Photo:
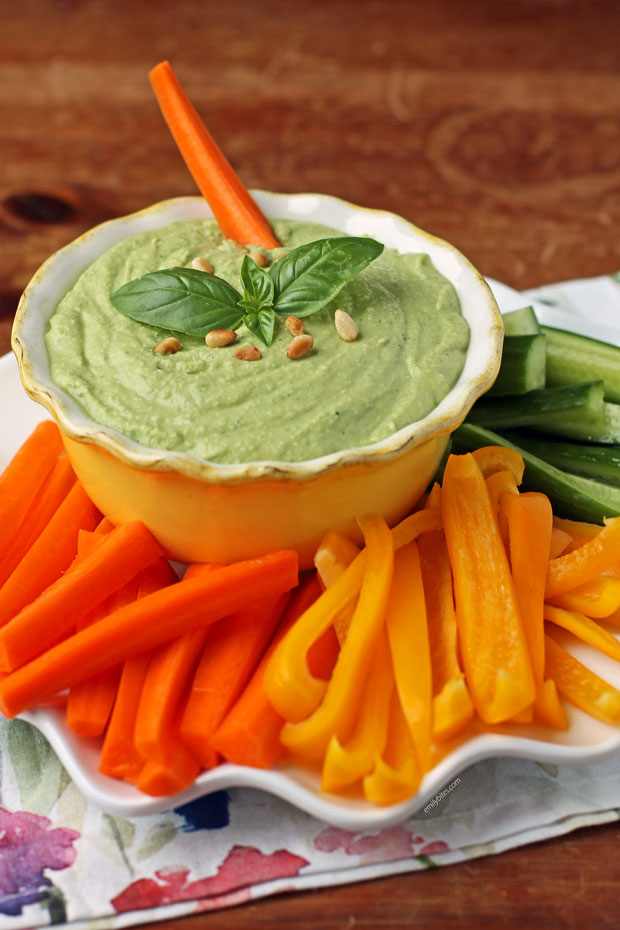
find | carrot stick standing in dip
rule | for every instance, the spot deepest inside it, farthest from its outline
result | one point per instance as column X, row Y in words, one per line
column 237, row 214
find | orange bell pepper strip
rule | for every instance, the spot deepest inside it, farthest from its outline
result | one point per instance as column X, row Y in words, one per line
column 500, row 483
column 292, row 689
column 346, row 764
column 585, row 563
column 337, row 713
column 599, row 598
column 581, row 533
column 585, row 629
column 407, row 629
column 559, row 542
column 397, row 774
column 578, row 531
column 529, row 521
column 579, row 685
column 335, row 553
column 491, row 459
column 452, row 706
column 491, row 635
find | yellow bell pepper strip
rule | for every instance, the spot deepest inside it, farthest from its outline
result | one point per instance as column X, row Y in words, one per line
column 491, row 459
column 337, row 713
column 407, row 629
column 579, row 685
column 494, row 650
column 452, row 706
column 559, row 542
column 397, row 775
column 290, row 686
column 335, row 553
column 598, row 598
column 422, row 521
column 346, row 764
column 585, row 563
column 585, row 629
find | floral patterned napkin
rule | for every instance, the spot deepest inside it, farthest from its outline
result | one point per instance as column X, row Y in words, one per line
column 62, row 860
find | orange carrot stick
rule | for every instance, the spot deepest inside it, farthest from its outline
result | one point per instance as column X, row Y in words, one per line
column 119, row 756
column 232, row 651
column 147, row 623
column 104, row 526
column 49, row 556
column 174, row 770
column 167, row 680
column 87, row 543
column 23, row 477
column 90, row 702
column 491, row 636
column 236, row 212
column 166, row 683
column 119, row 556
column 45, row 505
column 249, row 734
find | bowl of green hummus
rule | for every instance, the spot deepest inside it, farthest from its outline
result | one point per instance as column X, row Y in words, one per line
column 231, row 451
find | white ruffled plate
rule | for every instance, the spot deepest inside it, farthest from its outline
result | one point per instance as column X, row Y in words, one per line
column 586, row 740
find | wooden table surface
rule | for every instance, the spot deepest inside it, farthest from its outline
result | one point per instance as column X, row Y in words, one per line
column 495, row 125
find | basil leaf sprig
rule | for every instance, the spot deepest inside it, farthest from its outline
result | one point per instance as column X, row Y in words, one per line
column 185, row 300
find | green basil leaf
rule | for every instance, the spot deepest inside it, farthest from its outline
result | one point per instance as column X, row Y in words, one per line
column 257, row 286
column 261, row 324
column 183, row 300
column 311, row 275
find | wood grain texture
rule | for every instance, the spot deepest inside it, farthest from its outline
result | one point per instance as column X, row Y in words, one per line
column 493, row 124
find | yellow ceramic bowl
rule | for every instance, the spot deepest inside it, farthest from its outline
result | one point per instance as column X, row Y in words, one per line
column 201, row 511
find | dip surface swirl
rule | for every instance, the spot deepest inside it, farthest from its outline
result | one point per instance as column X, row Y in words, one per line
column 205, row 402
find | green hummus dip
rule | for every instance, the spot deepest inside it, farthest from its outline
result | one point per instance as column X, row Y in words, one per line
column 203, row 401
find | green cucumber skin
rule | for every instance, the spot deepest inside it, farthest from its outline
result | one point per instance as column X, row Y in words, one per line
column 523, row 366
column 581, row 427
column 571, row 358
column 521, row 322
column 540, row 407
column 571, row 496
column 599, row 462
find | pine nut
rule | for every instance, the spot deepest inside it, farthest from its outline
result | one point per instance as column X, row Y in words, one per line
column 300, row 346
column 220, row 337
column 294, row 325
column 237, row 246
column 260, row 258
column 168, row 346
column 202, row 264
column 345, row 326
column 248, row 354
